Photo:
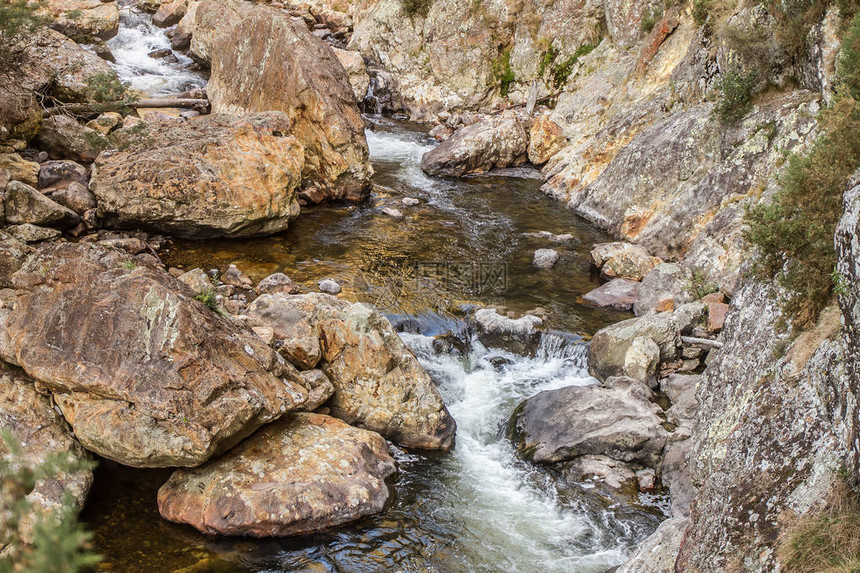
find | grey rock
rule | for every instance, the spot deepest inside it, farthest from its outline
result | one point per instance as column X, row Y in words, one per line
column 234, row 277
column 690, row 316
column 617, row 293
column 658, row 552
column 641, row 360
column 275, row 283
column 26, row 205
column 392, row 212
column 410, row 201
column 329, row 286
column 545, row 258
column 497, row 142
column 563, row 424
column 53, row 172
column 520, row 336
column 609, row 346
column 64, row 138
column 666, row 287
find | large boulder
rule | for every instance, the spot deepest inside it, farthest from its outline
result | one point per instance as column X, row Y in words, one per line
column 623, row 260
column 518, row 335
column 145, row 374
column 41, row 432
column 270, row 61
column 379, row 384
column 496, row 142
column 658, row 552
column 303, row 474
column 62, row 137
column 213, row 176
column 619, row 422
column 609, row 346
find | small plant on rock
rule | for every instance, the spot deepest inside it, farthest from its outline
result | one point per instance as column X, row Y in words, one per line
column 54, row 541
column 736, row 93
column 503, row 73
column 208, row 298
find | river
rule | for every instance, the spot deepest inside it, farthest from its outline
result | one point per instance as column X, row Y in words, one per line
column 467, row 243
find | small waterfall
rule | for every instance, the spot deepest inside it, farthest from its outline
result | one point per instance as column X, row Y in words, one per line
column 137, row 38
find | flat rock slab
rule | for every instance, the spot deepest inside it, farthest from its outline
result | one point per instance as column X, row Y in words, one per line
column 303, row 474
column 145, row 374
column 617, row 293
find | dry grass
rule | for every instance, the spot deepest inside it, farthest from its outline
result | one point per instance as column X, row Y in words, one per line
column 827, row 542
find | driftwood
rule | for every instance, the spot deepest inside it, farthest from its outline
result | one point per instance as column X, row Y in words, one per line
column 201, row 105
column 706, row 342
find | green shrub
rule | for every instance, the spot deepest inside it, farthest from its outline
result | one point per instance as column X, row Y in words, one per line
column 416, row 7
column 503, row 73
column 556, row 73
column 106, row 87
column 208, row 298
column 794, row 234
column 18, row 17
column 59, row 543
column 736, row 92
column 650, row 19
column 701, row 10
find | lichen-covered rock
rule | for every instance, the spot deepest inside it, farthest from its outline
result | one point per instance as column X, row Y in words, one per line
column 24, row 204
column 772, row 430
column 618, row 422
column 848, row 265
column 54, row 172
column 658, row 552
column 356, row 71
column 608, row 350
column 74, row 196
column 20, row 169
column 303, row 474
column 64, row 138
column 269, row 61
column 145, row 375
column 496, row 142
column 379, row 384
column 214, row 176
column 666, row 287
column 31, row 420
column 623, row 260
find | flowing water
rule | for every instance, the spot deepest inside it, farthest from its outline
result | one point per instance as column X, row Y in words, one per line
column 477, row 508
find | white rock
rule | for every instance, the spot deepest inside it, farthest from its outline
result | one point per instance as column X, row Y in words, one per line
column 329, row 286
column 545, row 258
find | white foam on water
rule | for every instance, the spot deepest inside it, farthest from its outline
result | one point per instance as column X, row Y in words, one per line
column 137, row 37
column 511, row 522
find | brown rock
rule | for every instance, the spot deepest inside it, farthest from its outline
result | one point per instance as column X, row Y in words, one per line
column 301, row 475
column 12, row 255
column 74, row 196
column 106, row 122
column 234, row 277
column 145, row 375
column 319, row 388
column 275, row 283
column 617, row 293
column 82, row 18
column 623, row 260
column 170, row 13
column 545, row 140
column 270, row 61
column 214, row 176
column 717, row 316
column 379, row 384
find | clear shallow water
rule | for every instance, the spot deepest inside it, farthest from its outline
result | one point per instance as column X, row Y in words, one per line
column 477, row 508
column 137, row 37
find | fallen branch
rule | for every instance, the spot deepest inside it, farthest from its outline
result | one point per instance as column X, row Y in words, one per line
column 201, row 105
column 706, row 342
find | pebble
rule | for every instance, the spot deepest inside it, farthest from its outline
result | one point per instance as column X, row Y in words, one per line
column 545, row 258
column 329, row 286
column 410, row 201
column 392, row 212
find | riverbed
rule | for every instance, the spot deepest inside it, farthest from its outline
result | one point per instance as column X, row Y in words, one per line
column 464, row 245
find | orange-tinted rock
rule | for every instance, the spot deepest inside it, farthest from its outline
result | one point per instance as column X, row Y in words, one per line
column 545, row 140
column 717, row 316
column 213, row 176
column 270, row 61
column 303, row 474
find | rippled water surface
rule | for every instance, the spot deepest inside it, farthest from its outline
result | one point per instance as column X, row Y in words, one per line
column 467, row 243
